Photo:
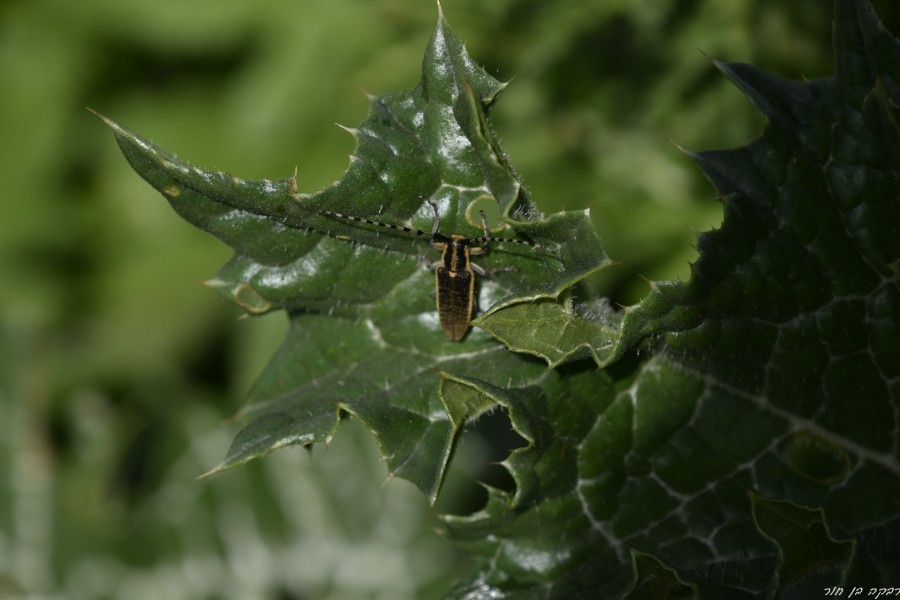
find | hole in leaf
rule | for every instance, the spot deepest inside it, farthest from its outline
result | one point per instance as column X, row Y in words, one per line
column 491, row 208
column 817, row 458
column 481, row 447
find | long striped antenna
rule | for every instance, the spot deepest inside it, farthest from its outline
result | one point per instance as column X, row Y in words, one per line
column 434, row 234
column 413, row 230
column 490, row 238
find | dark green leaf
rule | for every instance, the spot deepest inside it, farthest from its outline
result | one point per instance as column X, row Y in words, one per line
column 774, row 371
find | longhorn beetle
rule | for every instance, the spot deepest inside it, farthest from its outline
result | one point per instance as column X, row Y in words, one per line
column 454, row 273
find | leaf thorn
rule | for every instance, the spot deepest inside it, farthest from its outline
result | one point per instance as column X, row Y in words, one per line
column 369, row 96
column 294, row 191
column 98, row 115
column 211, row 472
column 649, row 281
column 351, row 130
column 683, row 150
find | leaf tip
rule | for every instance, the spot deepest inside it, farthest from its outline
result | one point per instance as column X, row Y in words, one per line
column 683, row 150
column 219, row 467
column 106, row 120
column 707, row 56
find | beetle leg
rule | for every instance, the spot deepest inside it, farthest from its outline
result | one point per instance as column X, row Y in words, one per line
column 493, row 271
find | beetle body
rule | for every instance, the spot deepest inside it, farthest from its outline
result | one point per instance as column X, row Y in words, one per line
column 454, row 283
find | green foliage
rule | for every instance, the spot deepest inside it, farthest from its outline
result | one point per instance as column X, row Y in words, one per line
column 765, row 388
column 115, row 363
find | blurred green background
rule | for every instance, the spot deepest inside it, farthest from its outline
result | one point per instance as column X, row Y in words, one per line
column 118, row 371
